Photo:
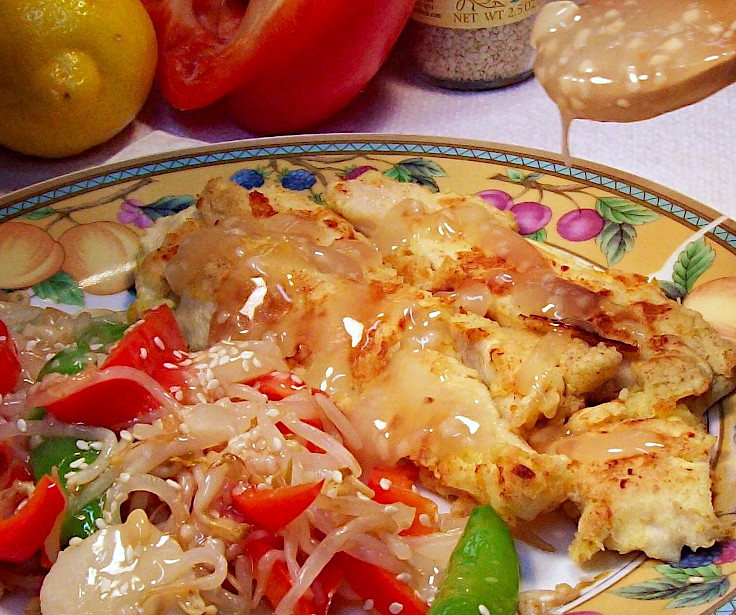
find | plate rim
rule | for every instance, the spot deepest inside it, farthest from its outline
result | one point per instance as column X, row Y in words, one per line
column 705, row 214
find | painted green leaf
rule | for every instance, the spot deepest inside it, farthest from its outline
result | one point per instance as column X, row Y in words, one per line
column 671, row 290
column 711, row 571
column 168, row 205
column 318, row 198
column 40, row 214
column 622, row 211
column 656, row 589
column 60, row 288
column 417, row 170
column 398, row 173
column 692, row 263
column 540, row 235
column 615, row 240
column 421, row 167
column 515, row 175
column 700, row 593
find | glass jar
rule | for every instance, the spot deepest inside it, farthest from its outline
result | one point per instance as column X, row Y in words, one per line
column 472, row 44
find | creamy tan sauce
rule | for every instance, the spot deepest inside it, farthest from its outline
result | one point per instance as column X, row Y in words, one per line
column 512, row 268
column 630, row 60
column 323, row 309
column 600, row 447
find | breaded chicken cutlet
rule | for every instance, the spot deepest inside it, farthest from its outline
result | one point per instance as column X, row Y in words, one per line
column 431, row 367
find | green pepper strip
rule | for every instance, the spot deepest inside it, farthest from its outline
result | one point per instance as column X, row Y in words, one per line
column 482, row 575
column 75, row 358
column 60, row 453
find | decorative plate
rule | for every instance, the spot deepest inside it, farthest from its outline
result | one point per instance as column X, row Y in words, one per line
column 73, row 242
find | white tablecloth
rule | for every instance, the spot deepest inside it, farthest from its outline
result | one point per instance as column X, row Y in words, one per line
column 692, row 150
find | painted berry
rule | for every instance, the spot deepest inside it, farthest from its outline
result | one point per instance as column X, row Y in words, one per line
column 498, row 198
column 531, row 216
column 248, row 178
column 580, row 224
column 298, row 179
column 728, row 553
column 701, row 557
column 352, row 173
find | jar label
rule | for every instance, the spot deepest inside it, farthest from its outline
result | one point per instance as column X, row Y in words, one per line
column 474, row 14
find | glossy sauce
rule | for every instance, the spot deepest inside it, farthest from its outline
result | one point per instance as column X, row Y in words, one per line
column 512, row 267
column 330, row 316
column 602, row 446
column 623, row 61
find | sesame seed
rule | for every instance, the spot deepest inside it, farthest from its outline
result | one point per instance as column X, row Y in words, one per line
column 425, row 520
column 391, row 509
column 159, row 343
column 21, row 425
column 385, row 484
column 483, row 609
column 172, row 483
column 143, row 352
column 178, row 395
column 124, row 477
column 126, row 435
column 337, row 477
column 179, row 354
column 184, row 428
column 256, row 362
column 395, row 608
column 404, row 577
column 277, row 443
column 213, row 384
column 201, row 398
column 83, row 445
column 100, row 523
column 368, row 605
column 78, row 464
column 74, row 540
column 171, row 366
column 68, row 475
column 272, row 413
column 96, row 445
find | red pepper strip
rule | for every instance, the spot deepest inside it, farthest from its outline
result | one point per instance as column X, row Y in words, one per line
column 13, row 465
column 9, row 364
column 279, row 581
column 380, row 586
column 277, row 385
column 155, row 345
column 24, row 533
column 274, row 509
column 104, row 402
column 392, row 485
column 311, row 447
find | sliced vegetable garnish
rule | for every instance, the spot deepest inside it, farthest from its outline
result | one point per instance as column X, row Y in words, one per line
column 274, row 509
column 278, row 385
column 155, row 345
column 102, row 400
column 68, row 455
column 13, row 464
column 10, row 367
column 392, row 485
column 483, row 573
column 379, row 588
column 279, row 581
column 24, row 533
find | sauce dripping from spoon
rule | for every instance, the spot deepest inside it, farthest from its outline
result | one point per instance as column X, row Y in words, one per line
column 614, row 61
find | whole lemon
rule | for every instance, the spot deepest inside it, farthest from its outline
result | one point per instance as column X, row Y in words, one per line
column 73, row 73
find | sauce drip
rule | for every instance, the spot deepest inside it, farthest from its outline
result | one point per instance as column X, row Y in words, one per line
column 614, row 61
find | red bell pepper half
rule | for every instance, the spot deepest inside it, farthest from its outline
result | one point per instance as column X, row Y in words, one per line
column 392, row 485
column 24, row 533
column 274, row 509
column 9, row 364
column 279, row 581
column 379, row 586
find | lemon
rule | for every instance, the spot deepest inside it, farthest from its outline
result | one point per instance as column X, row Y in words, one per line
column 73, row 73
